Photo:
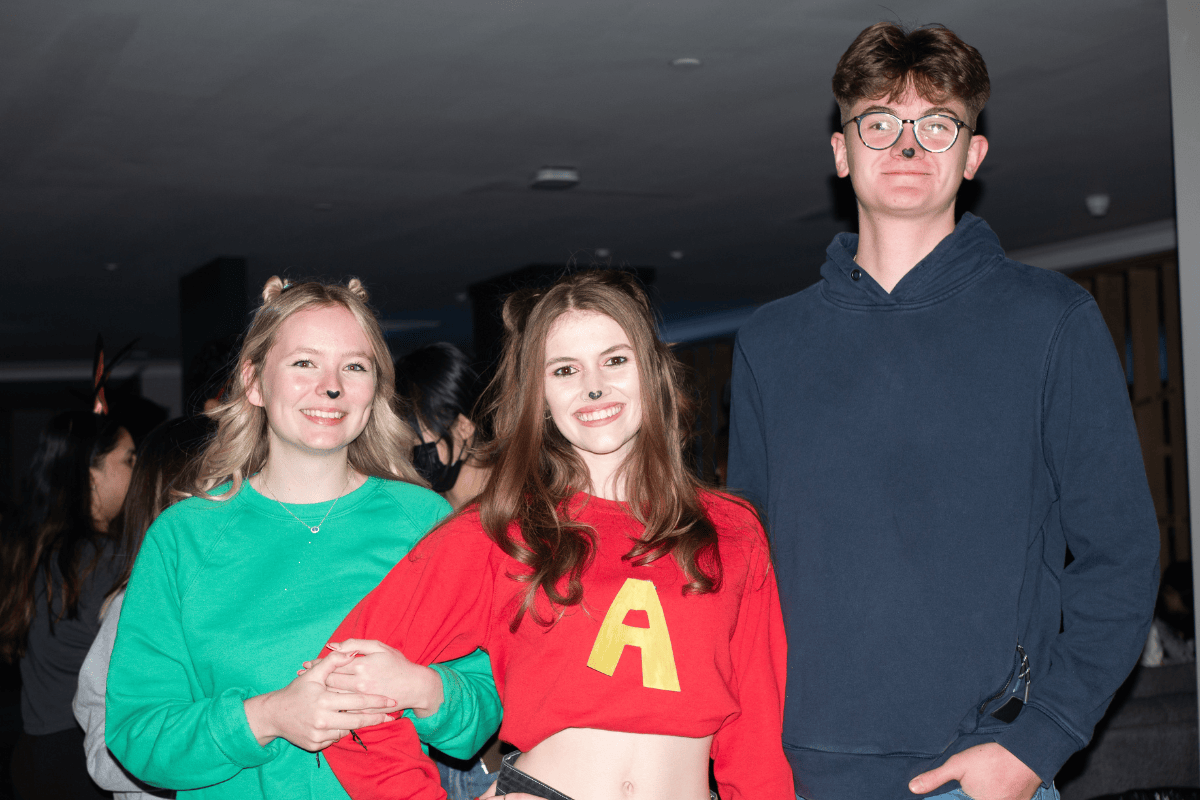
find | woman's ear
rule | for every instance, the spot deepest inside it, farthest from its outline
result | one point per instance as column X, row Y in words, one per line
column 251, row 382
column 463, row 428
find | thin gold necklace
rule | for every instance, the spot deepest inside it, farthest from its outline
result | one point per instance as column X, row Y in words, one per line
column 312, row 528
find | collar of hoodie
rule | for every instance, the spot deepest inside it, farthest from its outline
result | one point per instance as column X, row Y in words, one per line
column 964, row 256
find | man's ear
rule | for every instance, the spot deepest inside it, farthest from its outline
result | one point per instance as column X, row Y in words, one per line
column 976, row 150
column 840, row 160
column 253, row 387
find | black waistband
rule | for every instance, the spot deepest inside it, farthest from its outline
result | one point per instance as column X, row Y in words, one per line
column 513, row 780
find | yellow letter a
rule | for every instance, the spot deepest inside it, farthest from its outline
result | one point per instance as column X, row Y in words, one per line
column 658, row 660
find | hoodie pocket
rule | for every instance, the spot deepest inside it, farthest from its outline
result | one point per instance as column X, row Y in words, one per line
column 1006, row 704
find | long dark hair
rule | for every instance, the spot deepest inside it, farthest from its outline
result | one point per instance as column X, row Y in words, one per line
column 435, row 384
column 536, row 470
column 165, row 472
column 53, row 526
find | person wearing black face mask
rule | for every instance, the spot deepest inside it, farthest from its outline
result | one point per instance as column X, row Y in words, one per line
column 427, row 459
column 440, row 388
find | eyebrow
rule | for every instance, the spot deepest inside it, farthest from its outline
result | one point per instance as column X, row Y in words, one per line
column 612, row 349
column 934, row 110
column 311, row 351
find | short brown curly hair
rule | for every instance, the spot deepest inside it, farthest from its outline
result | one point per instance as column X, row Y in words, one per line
column 885, row 59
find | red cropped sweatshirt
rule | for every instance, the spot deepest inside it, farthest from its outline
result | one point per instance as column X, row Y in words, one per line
column 638, row 655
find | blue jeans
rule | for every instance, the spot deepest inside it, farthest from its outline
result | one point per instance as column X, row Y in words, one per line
column 958, row 794
column 465, row 784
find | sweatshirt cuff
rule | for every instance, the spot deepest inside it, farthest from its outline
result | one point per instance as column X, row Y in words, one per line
column 429, row 729
column 1039, row 742
column 230, row 730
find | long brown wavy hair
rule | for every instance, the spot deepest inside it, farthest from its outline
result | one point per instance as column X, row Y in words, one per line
column 239, row 447
column 535, row 470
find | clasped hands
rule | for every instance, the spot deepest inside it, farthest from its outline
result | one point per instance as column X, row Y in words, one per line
column 378, row 669
column 361, row 683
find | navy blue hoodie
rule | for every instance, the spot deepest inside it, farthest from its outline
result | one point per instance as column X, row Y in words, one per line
column 924, row 459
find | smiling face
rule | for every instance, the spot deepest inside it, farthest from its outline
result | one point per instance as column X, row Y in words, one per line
column 593, row 390
column 888, row 183
column 317, row 352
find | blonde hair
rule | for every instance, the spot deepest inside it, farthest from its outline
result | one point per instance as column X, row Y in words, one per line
column 239, row 447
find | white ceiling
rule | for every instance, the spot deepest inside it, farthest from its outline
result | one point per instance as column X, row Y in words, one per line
column 395, row 140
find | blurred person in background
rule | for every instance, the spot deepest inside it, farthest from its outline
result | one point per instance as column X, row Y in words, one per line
column 165, row 468
column 59, row 561
column 439, row 389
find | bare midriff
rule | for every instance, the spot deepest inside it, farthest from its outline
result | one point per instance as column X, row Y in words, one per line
column 592, row 764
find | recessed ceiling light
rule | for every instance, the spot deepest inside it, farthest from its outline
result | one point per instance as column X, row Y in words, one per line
column 111, row 266
column 676, row 254
column 1097, row 204
column 555, row 178
column 686, row 63
column 603, row 252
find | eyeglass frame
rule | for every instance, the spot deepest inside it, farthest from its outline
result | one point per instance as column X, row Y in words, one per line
column 958, row 126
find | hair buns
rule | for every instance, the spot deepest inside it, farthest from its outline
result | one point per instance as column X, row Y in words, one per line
column 272, row 289
column 358, row 290
column 276, row 285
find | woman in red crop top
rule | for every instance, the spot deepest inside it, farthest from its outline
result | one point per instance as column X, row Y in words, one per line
column 631, row 616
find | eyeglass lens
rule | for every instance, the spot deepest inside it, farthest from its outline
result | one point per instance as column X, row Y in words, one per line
column 935, row 133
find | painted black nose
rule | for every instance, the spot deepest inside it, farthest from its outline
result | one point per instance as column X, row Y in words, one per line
column 908, row 152
column 333, row 395
column 595, row 395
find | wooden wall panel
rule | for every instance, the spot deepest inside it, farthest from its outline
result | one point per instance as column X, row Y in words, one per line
column 1109, row 292
column 1176, row 450
column 1140, row 303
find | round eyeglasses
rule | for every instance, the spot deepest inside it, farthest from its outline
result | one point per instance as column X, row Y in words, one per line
column 936, row 133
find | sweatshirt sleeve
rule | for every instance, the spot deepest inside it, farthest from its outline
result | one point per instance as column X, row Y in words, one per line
column 435, row 605
column 88, row 706
column 160, row 725
column 747, row 440
column 470, row 711
column 747, row 751
column 1110, row 525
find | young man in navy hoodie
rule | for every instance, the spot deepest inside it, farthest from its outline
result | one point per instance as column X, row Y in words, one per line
column 929, row 429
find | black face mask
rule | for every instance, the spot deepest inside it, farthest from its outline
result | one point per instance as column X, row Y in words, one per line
column 441, row 477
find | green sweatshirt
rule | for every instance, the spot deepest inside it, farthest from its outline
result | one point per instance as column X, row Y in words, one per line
column 226, row 600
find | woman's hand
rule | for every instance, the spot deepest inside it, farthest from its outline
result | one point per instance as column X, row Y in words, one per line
column 384, row 670
column 309, row 714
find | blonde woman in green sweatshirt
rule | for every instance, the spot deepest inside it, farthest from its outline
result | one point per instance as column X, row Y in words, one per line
column 305, row 501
